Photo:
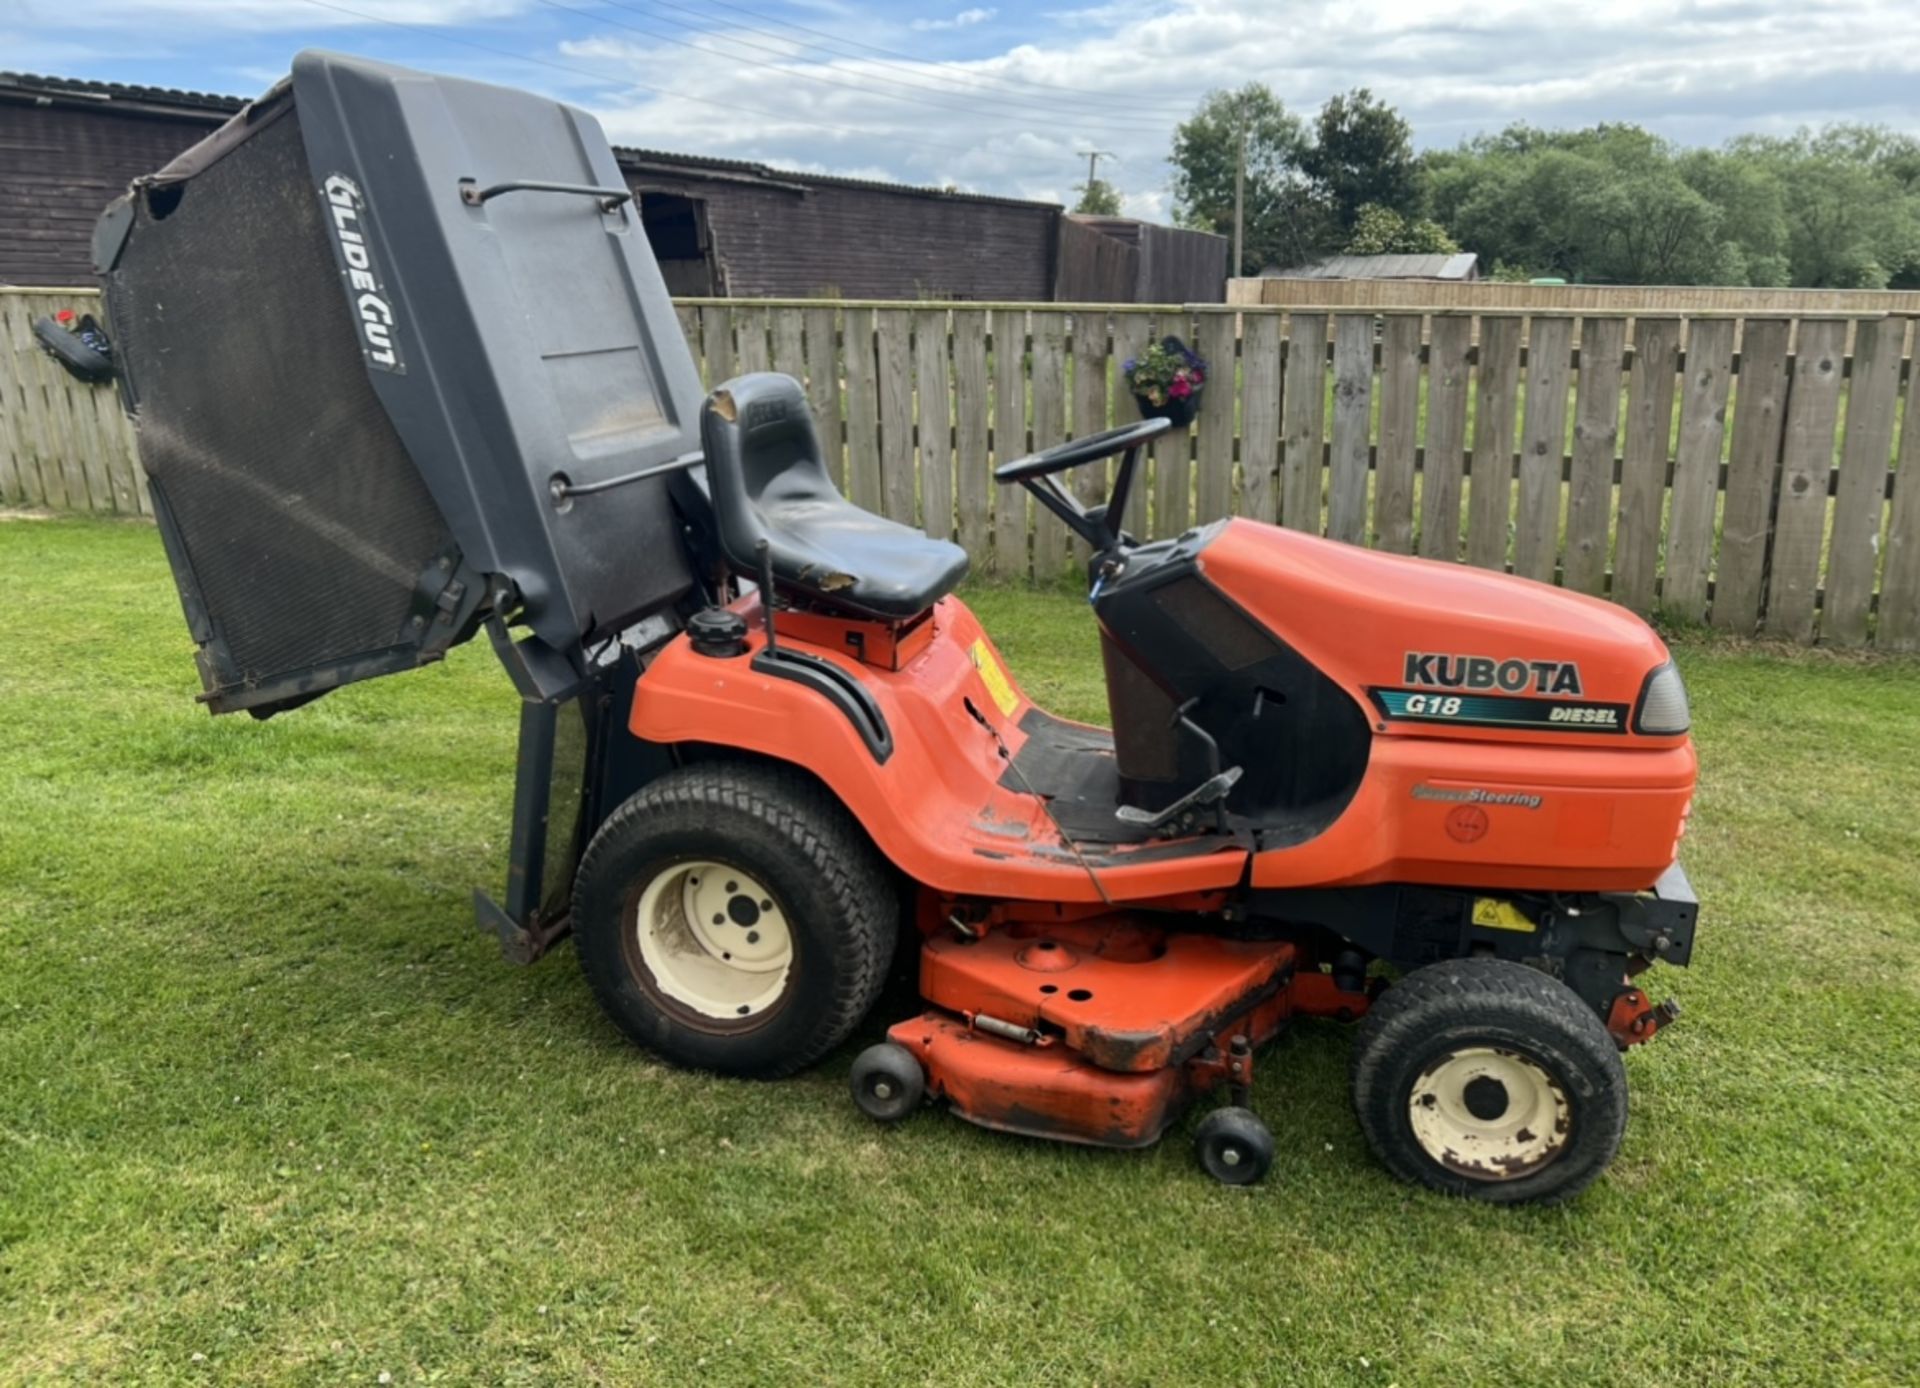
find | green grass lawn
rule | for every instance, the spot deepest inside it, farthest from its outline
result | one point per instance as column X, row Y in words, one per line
column 272, row 1110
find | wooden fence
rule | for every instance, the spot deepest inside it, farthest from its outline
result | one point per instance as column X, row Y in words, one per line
column 1747, row 472
column 1484, row 296
column 63, row 445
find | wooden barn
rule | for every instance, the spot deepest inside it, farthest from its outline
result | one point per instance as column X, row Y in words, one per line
column 719, row 227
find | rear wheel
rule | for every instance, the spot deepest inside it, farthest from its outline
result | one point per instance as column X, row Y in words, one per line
column 1488, row 1079
column 731, row 917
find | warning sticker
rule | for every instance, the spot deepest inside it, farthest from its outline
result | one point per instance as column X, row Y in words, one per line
column 1496, row 914
column 993, row 677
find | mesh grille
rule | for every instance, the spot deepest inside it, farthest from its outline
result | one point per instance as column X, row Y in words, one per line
column 304, row 522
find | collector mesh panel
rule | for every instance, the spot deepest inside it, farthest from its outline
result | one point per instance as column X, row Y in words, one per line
column 305, row 524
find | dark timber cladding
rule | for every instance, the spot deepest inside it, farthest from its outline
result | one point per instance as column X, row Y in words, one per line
column 747, row 231
column 69, row 148
column 719, row 227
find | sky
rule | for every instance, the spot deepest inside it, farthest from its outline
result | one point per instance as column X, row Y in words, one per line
column 1009, row 97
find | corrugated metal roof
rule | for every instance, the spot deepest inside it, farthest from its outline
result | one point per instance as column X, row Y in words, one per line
column 1382, row 267
column 80, row 89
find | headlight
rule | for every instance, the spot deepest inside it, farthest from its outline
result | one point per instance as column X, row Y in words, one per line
column 1662, row 710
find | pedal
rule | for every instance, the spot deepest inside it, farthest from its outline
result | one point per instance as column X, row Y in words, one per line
column 1208, row 792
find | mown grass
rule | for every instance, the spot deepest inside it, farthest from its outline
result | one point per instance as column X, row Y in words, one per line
column 272, row 1111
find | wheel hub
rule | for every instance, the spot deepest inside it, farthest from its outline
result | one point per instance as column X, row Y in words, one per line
column 714, row 940
column 1490, row 1114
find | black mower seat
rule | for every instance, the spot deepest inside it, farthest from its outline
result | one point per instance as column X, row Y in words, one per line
column 768, row 481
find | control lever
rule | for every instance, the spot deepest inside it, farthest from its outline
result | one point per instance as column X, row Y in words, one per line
column 1209, row 792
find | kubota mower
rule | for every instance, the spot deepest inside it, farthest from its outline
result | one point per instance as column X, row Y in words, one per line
column 404, row 369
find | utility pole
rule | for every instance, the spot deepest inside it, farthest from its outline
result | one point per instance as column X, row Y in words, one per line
column 1094, row 156
column 1239, row 193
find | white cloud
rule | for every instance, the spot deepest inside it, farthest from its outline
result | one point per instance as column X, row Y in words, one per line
column 1115, row 75
column 964, row 19
column 1120, row 76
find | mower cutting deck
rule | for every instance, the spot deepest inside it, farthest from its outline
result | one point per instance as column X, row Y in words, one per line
column 762, row 743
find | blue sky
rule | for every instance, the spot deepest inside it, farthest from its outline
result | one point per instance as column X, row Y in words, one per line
column 1007, row 97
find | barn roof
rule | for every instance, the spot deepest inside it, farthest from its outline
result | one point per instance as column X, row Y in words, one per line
column 153, row 100
column 693, row 165
column 1382, row 267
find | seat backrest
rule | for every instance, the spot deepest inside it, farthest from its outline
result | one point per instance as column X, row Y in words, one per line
column 761, row 444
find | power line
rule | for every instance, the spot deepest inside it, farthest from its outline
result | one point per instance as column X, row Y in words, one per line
column 729, row 106
column 1031, row 113
column 923, row 68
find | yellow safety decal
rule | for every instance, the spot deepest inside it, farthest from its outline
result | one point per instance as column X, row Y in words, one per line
column 993, row 677
column 1497, row 914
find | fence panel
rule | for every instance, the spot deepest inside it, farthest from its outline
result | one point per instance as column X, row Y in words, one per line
column 1696, row 468
column 1303, row 408
column 1260, row 416
column 1352, row 424
column 1854, row 551
column 1009, row 557
column 1398, row 454
column 1131, row 334
column 1047, row 406
column 821, row 328
column 1089, row 481
column 1449, row 383
column 1760, row 503
column 1643, row 465
column 933, row 396
column 1536, row 529
column 893, row 354
column 1753, row 464
column 1899, row 627
column 972, row 413
column 1596, row 438
column 1806, row 464
column 1490, row 483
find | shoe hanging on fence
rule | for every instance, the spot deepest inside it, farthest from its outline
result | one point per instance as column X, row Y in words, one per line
column 82, row 346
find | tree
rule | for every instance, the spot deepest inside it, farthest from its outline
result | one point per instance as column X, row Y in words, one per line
column 1098, row 198
column 1362, row 155
column 1284, row 222
column 1382, row 231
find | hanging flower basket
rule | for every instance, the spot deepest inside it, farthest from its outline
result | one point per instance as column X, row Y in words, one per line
column 1166, row 381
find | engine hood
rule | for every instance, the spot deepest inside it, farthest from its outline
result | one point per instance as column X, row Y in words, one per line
column 1424, row 643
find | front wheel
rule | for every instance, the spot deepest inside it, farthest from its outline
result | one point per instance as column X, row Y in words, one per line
column 731, row 917
column 1487, row 1079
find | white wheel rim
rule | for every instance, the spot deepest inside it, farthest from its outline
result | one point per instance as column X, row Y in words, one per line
column 1489, row 1114
column 714, row 939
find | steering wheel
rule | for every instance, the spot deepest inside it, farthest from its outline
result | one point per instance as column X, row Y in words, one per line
column 1074, row 452
column 1098, row 525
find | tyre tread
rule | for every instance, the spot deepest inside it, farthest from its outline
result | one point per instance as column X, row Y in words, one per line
column 804, row 814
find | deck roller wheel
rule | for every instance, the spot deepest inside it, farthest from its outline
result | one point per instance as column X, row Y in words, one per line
column 887, row 1082
column 1234, row 1147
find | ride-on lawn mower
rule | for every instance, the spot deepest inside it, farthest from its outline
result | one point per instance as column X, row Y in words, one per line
column 404, row 369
